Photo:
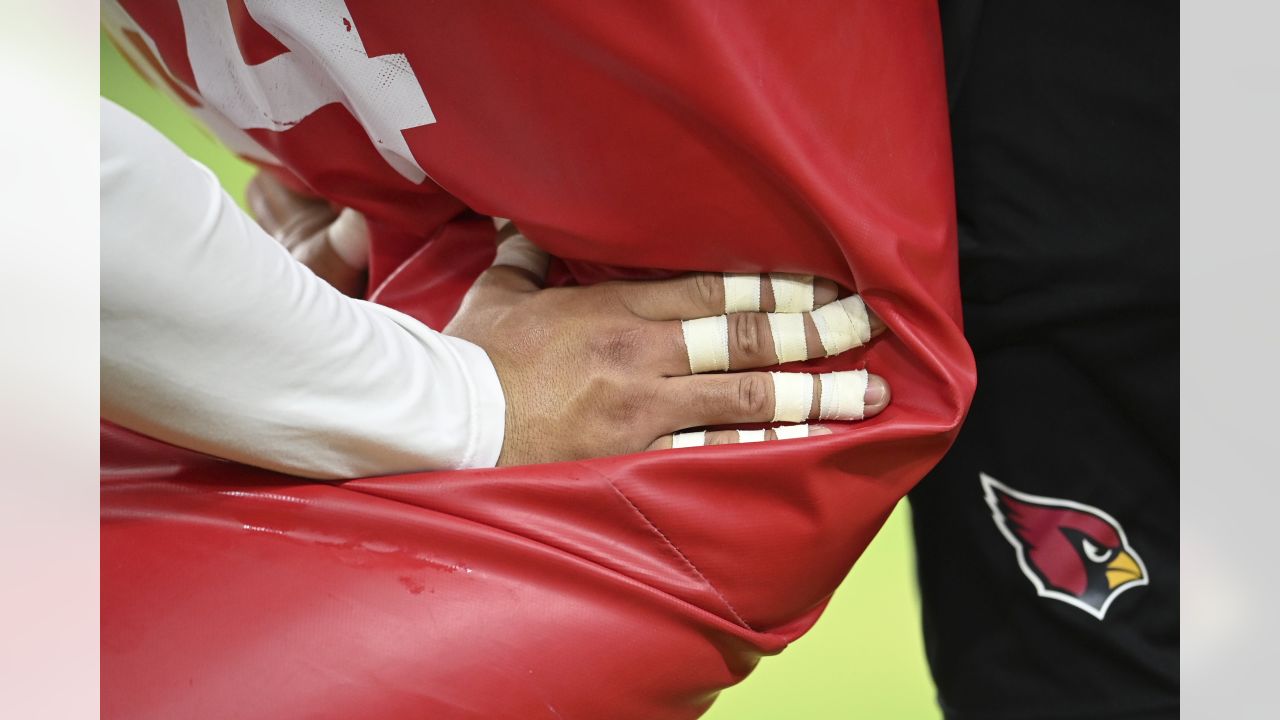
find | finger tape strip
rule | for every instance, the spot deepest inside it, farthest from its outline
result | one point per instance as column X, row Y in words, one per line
column 791, row 293
column 694, row 438
column 741, row 292
column 519, row 251
column 843, row 395
column 788, row 336
column 791, row 432
column 706, row 340
column 792, row 396
column 842, row 325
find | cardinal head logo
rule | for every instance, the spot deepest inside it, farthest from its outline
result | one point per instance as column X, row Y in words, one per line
column 1069, row 551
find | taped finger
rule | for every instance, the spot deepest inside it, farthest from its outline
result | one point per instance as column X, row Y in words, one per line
column 693, row 438
column 703, row 294
column 842, row 325
column 843, row 395
column 710, row 345
column 792, row 293
column 519, row 251
column 792, row 396
column 789, row 341
column 762, row 397
column 706, row 342
column 741, row 292
column 792, row 432
column 701, row 438
column 349, row 236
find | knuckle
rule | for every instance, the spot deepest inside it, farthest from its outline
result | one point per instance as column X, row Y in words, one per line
column 612, row 295
column 615, row 347
column 606, row 389
column 622, row 403
column 752, row 394
column 633, row 404
column 749, row 331
column 708, row 291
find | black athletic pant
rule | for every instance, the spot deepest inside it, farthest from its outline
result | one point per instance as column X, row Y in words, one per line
column 1048, row 536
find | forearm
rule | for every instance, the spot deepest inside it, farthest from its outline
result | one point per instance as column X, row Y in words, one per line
column 214, row 338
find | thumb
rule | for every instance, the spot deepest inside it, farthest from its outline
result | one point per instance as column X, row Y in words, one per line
column 349, row 237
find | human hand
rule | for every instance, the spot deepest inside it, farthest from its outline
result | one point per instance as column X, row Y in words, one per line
column 332, row 243
column 606, row 370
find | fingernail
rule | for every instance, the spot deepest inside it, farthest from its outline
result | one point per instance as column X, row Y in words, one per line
column 877, row 390
column 819, row 430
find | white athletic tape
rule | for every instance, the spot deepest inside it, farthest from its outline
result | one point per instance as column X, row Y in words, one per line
column 706, row 340
column 843, row 395
column 518, row 251
column 741, row 292
column 499, row 223
column 792, row 396
column 842, row 325
column 791, row 432
column 788, row 336
column 791, row 293
column 749, row 436
column 695, row 438
column 349, row 238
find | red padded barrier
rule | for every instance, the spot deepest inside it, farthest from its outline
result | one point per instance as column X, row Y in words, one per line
column 665, row 137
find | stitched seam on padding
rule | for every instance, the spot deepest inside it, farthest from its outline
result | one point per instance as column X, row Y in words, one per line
column 689, row 563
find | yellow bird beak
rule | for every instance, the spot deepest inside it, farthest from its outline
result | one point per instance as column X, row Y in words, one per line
column 1122, row 569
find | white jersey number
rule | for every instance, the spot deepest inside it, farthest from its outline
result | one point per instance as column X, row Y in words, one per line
column 326, row 63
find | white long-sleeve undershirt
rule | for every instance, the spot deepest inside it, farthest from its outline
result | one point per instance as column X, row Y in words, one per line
column 215, row 339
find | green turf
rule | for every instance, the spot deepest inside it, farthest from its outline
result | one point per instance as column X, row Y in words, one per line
column 122, row 85
column 864, row 658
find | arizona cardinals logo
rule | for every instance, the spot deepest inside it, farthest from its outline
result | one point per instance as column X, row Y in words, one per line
column 1068, row 550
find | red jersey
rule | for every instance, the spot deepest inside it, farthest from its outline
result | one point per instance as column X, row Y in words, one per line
column 644, row 140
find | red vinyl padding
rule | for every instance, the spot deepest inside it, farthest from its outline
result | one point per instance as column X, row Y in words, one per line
column 634, row 141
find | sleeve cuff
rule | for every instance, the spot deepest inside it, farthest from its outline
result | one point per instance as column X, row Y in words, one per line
column 488, row 411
